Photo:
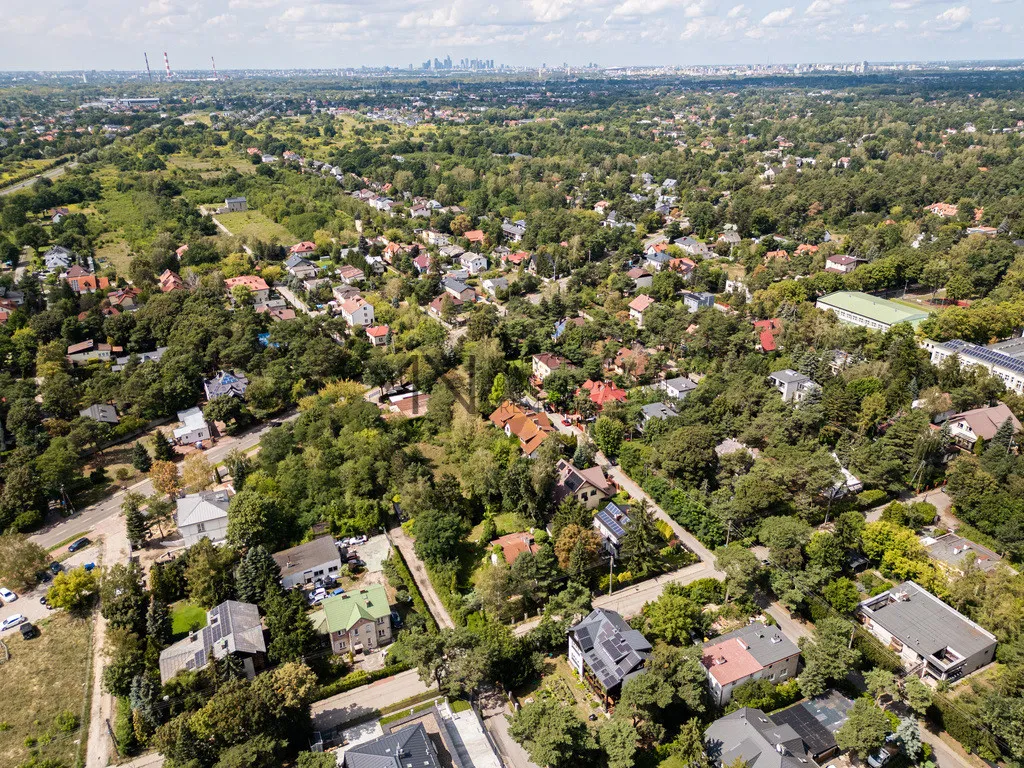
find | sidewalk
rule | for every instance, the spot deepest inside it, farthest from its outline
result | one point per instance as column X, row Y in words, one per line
column 419, row 574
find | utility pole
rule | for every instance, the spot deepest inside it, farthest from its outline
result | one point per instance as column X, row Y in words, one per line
column 611, row 573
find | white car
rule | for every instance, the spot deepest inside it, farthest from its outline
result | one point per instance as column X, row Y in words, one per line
column 11, row 621
column 7, row 596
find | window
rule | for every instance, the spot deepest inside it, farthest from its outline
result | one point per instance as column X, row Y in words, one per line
column 381, row 633
column 201, row 528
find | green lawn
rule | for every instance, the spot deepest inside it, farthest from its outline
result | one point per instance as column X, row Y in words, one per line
column 115, row 254
column 255, row 224
column 186, row 616
column 44, row 692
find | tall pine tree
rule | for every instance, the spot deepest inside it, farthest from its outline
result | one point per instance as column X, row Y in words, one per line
column 141, row 459
column 162, row 448
column 257, row 576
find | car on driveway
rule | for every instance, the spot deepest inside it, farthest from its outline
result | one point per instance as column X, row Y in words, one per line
column 78, row 544
column 56, row 567
column 7, row 596
column 11, row 621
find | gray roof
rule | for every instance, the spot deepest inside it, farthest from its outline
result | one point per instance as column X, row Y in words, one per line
column 202, row 507
column 409, row 746
column 231, row 627
column 788, row 376
column 305, row 556
column 143, row 357
column 766, row 644
column 954, row 550
column 100, row 412
column 612, row 650
column 224, row 383
column 924, row 623
column 750, row 735
column 658, row 411
column 450, row 284
column 295, row 260
column 681, row 384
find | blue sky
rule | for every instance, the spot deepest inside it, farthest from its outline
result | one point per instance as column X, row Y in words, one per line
column 112, row 34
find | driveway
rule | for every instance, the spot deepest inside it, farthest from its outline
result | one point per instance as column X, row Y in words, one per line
column 374, row 552
column 344, row 707
column 419, row 574
column 27, row 605
column 495, row 711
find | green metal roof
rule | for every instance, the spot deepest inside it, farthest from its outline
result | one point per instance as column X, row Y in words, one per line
column 880, row 310
column 343, row 611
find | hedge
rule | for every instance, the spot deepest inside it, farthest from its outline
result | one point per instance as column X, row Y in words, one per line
column 869, row 499
column 963, row 727
column 358, row 679
column 417, row 599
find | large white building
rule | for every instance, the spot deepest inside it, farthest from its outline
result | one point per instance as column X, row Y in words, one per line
column 1004, row 359
column 857, row 308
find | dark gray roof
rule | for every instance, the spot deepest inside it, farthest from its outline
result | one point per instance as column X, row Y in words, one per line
column 788, row 376
column 225, row 383
column 100, row 412
column 817, row 720
column 766, row 644
column 410, row 746
column 612, row 650
column 954, row 550
column 615, row 518
column 305, row 556
column 658, row 411
column 231, row 627
column 450, row 284
column 924, row 623
column 750, row 735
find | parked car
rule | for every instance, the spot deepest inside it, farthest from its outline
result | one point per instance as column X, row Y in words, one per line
column 317, row 596
column 28, row 630
column 56, row 567
column 78, row 544
column 566, row 423
column 11, row 621
column 396, row 620
column 7, row 596
column 89, row 566
column 338, row 591
column 43, row 601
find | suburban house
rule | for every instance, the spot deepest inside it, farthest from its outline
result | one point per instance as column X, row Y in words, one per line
column 357, row 621
column 458, row 289
column 474, row 263
column 858, row 308
column 965, row 428
column 350, row 274
column 611, row 522
column 641, row 277
column 512, row 545
column 842, row 263
column 768, row 332
column 304, row 249
column 930, row 637
column 257, row 286
column 656, row 412
column 123, row 298
column 605, row 652
column 142, row 357
column 297, row 266
column 589, row 486
column 816, row 721
column 638, row 306
column 945, row 210
column 193, row 429
column 232, row 629
column 102, row 412
column 1004, row 359
column 224, row 383
column 59, row 258
column 793, row 386
column 677, row 388
column 531, row 427
column 411, row 745
column 494, row 284
column 954, row 552
column 308, row 562
column 357, row 311
column 436, row 307
column 630, row 361
column 84, row 351
column 82, row 280
column 602, row 392
column 379, row 335
column 697, row 300
column 754, row 652
column 169, row 281
column 343, row 293
column 514, row 260
column 203, row 516
column 545, row 363
column 475, row 236
column 513, row 230
column 751, row 737
column 235, row 204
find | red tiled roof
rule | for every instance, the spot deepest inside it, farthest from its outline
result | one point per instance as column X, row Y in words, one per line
column 602, row 392
column 514, row 544
column 378, row 331
column 641, row 303
column 729, row 661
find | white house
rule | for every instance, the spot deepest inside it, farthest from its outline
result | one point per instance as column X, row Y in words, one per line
column 474, row 263
column 677, row 388
column 193, row 429
column 638, row 306
column 357, row 311
column 793, row 386
column 203, row 515
column 308, row 562
column 492, row 285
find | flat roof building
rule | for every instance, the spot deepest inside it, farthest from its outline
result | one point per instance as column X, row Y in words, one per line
column 308, row 562
column 858, row 308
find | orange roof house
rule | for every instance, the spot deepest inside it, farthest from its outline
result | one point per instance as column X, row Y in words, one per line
column 475, row 236
column 169, row 281
column 767, row 331
column 302, row 248
column 531, row 427
column 602, row 392
column 946, row 210
column 253, row 282
column 806, row 248
column 513, row 545
column 82, row 280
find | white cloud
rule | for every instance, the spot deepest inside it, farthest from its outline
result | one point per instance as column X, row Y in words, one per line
column 778, row 18
column 819, row 9
column 738, row 10
column 633, row 8
column 952, row 19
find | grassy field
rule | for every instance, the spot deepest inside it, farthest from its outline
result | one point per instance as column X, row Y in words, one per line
column 115, row 255
column 15, row 170
column 186, row 616
column 211, row 165
column 44, row 692
column 255, row 224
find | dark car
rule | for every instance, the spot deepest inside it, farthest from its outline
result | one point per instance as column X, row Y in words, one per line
column 28, row 630
column 56, row 567
column 79, row 544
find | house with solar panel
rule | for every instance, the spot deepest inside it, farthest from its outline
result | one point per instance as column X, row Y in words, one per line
column 232, row 629
column 606, row 652
column 1004, row 359
column 231, row 384
column 589, row 486
column 611, row 522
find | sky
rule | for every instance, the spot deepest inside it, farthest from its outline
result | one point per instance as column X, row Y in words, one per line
column 249, row 34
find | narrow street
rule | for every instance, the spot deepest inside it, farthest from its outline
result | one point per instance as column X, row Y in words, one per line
column 361, row 701
column 419, row 573
column 495, row 711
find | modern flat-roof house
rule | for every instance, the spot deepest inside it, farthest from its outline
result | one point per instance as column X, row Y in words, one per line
column 589, row 486
column 656, row 412
column 930, row 637
column 606, row 652
column 203, row 516
column 953, row 552
column 752, row 737
column 696, row 300
column 754, row 652
column 358, row 621
column 677, row 388
column 1004, row 359
column 967, row 427
column 193, row 429
column 793, row 386
column 308, row 562
column 232, row 629
column 858, row 308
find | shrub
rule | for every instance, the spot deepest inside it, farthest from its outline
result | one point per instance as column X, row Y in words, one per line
column 869, row 499
column 124, row 728
column 359, row 678
column 66, row 721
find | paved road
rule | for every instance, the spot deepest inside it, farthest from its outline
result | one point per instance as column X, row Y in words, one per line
column 298, row 303
column 938, row 497
column 948, row 755
column 50, row 174
column 419, row 573
column 495, row 710
column 87, row 519
column 792, row 628
column 364, row 700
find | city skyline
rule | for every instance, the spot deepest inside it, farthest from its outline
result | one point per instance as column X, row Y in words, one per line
column 273, row 34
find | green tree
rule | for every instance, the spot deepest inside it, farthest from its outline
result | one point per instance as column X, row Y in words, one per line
column 740, row 567
column 162, row 448
column 158, row 623
column 257, row 576
column 141, row 459
column 642, row 542
column 608, row 434
column 254, row 518
column 123, row 599
column 439, row 534
column 551, row 734
column 619, row 739
column 498, row 389
column 842, row 595
column 672, row 617
column 827, row 657
column 136, row 524
column 72, row 590
column 21, row 561
column 917, row 695
column 450, row 659
column 865, row 729
column 292, row 636
column 688, row 749
column 208, row 572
